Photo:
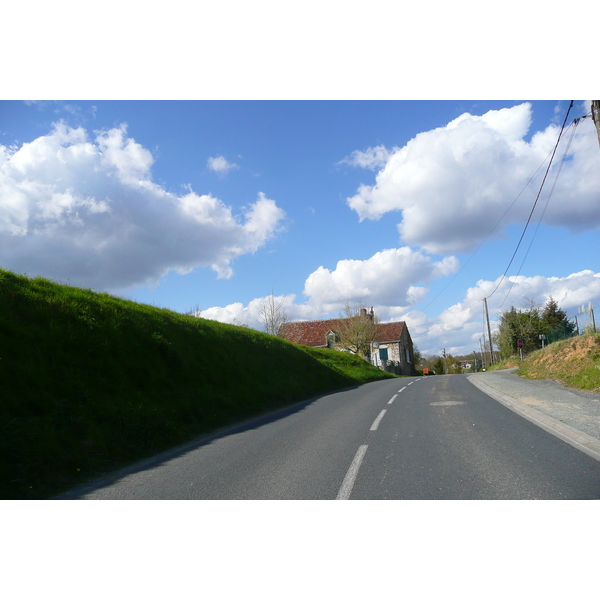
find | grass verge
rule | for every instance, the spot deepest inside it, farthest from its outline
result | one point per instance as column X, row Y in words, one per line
column 507, row 363
column 91, row 383
column 574, row 362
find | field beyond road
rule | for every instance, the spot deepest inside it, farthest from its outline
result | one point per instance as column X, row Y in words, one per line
column 91, row 382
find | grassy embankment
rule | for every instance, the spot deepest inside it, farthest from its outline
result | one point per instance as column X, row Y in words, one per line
column 575, row 362
column 91, row 382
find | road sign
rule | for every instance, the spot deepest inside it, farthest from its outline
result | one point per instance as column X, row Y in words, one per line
column 520, row 343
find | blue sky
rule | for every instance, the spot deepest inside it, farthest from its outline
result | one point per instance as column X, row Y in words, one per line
column 323, row 153
column 289, row 152
column 130, row 203
column 216, row 204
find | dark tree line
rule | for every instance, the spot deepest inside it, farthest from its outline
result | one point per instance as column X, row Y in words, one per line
column 528, row 324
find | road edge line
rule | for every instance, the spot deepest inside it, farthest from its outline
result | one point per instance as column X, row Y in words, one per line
column 578, row 439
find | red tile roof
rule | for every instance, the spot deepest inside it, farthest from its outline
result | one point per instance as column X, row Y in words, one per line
column 390, row 332
column 313, row 333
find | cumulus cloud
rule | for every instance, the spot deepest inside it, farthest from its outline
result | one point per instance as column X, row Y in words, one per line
column 87, row 210
column 220, row 165
column 387, row 279
column 459, row 328
column 372, row 158
column 250, row 314
column 454, row 183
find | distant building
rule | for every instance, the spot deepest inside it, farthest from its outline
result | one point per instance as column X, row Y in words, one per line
column 391, row 347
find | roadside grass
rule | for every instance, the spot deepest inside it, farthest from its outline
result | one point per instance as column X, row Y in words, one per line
column 91, row 382
column 347, row 364
column 507, row 363
column 574, row 362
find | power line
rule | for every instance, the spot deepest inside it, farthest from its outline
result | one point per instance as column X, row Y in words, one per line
column 562, row 162
column 490, row 232
column 536, row 199
column 428, row 323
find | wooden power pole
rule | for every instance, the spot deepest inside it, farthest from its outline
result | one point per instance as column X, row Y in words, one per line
column 487, row 316
column 596, row 116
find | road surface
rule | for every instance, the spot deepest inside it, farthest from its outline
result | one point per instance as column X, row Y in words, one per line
column 407, row 438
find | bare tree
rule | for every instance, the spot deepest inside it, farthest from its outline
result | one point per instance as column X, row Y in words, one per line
column 194, row 311
column 272, row 315
column 358, row 328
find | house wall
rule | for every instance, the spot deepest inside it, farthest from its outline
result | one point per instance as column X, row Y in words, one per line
column 397, row 360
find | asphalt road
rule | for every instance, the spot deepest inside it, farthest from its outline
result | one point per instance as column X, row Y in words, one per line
column 409, row 438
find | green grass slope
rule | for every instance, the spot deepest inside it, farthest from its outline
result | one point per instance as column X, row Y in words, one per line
column 91, row 382
column 574, row 362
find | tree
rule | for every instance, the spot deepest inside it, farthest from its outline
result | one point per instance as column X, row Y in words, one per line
column 427, row 362
column 528, row 324
column 239, row 323
column 555, row 322
column 194, row 311
column 438, row 366
column 519, row 325
column 551, row 313
column 272, row 315
column 417, row 356
column 357, row 329
column 453, row 365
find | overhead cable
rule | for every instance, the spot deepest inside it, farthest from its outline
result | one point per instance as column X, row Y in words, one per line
column 536, row 199
column 562, row 162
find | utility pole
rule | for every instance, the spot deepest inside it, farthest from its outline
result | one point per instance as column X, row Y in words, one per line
column 483, row 353
column 487, row 316
column 596, row 116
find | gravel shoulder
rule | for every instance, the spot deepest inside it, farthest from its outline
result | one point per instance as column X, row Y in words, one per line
column 568, row 413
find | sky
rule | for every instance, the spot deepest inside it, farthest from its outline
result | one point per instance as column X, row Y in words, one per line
column 414, row 207
column 211, row 154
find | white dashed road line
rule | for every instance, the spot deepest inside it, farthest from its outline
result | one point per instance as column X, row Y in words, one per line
column 377, row 421
column 348, row 483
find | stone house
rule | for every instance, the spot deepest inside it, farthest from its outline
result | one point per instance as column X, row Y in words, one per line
column 391, row 348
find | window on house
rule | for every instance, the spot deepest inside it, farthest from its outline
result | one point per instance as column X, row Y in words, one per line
column 332, row 339
column 407, row 354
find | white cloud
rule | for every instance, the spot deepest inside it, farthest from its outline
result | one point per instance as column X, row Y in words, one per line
column 386, row 279
column 454, row 183
column 459, row 328
column 250, row 315
column 220, row 165
column 131, row 160
column 88, row 211
column 372, row 158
